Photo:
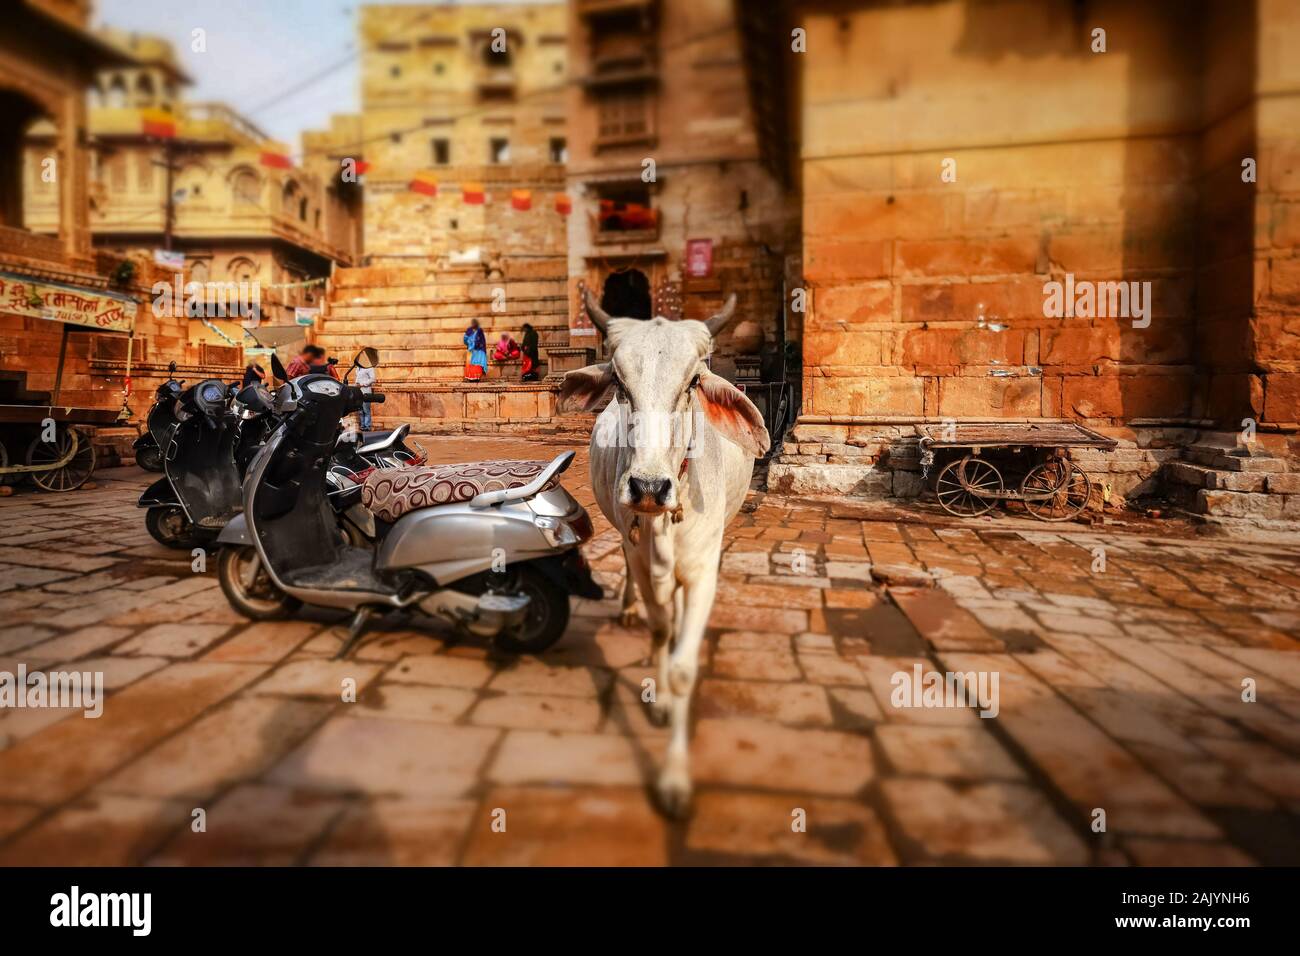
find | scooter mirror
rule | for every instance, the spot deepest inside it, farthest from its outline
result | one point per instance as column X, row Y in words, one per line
column 368, row 357
column 171, row 369
column 277, row 369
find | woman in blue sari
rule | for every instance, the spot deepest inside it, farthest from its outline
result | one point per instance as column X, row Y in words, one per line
column 476, row 362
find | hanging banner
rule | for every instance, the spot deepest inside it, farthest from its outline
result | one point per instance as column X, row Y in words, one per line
column 473, row 194
column 521, row 199
column 55, row 302
column 563, row 205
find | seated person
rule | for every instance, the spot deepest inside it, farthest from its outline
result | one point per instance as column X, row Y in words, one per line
column 506, row 349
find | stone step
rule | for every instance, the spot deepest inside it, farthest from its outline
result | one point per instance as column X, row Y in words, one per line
column 1202, row 476
column 1204, row 452
column 1255, row 465
column 416, row 332
column 1236, row 504
column 519, row 311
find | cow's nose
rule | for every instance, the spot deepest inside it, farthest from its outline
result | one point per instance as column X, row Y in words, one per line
column 656, row 489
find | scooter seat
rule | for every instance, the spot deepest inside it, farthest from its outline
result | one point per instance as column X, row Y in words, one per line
column 392, row 492
column 372, row 442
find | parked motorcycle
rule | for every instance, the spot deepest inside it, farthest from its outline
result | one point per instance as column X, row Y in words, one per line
column 211, row 433
column 148, row 447
column 499, row 562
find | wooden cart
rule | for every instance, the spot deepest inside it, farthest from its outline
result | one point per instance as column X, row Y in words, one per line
column 39, row 437
column 1050, row 486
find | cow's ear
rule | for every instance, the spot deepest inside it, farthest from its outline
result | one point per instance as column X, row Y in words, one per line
column 731, row 412
column 584, row 388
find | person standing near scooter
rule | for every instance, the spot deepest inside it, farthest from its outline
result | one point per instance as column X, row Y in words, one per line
column 366, row 382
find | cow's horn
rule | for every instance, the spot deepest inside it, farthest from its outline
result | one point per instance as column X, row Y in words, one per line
column 720, row 319
column 599, row 317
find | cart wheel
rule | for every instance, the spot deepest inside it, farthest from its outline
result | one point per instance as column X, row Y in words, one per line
column 72, row 475
column 980, row 493
column 1056, row 490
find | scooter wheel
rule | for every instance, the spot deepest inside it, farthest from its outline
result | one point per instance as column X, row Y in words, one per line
column 168, row 526
column 149, row 458
column 546, row 617
column 248, row 587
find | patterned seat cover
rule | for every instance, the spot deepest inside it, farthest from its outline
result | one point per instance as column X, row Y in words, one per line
column 392, row 492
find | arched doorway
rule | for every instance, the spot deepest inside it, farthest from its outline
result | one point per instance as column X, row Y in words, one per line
column 29, row 174
column 626, row 294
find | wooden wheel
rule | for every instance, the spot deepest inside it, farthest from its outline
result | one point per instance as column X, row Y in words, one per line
column 1056, row 490
column 71, row 475
column 978, row 493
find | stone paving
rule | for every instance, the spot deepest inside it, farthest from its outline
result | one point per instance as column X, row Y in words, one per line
column 1120, row 660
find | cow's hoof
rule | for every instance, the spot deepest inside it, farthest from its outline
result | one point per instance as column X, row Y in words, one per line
column 674, row 793
column 628, row 618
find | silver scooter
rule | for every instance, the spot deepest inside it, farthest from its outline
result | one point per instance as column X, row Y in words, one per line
column 499, row 563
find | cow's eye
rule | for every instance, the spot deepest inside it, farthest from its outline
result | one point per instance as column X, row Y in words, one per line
column 695, row 383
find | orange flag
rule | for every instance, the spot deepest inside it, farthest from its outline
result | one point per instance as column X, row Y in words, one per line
column 562, row 204
column 425, row 183
column 276, row 155
column 521, row 199
column 158, row 123
column 472, row 194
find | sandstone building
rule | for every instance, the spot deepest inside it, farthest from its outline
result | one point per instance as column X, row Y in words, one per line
column 47, row 62
column 955, row 159
column 673, row 207
column 463, row 139
column 471, row 96
column 235, row 218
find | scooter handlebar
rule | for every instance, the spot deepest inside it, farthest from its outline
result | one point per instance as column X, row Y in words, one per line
column 374, row 398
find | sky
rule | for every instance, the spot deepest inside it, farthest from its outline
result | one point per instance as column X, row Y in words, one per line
column 259, row 52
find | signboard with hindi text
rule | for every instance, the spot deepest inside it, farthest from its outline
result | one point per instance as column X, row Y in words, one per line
column 55, row 302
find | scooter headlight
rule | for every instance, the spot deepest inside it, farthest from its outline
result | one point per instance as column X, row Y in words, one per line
column 557, row 533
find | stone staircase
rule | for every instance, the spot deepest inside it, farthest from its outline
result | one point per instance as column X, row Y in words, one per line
column 1222, row 479
column 416, row 315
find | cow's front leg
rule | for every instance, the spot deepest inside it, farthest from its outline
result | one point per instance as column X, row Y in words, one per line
column 674, row 786
column 627, row 616
column 659, row 617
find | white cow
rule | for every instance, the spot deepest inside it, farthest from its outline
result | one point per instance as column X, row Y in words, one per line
column 671, row 460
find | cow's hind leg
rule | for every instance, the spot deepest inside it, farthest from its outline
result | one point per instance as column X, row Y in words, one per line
column 674, row 785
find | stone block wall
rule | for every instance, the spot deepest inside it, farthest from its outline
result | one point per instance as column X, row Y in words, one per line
column 957, row 158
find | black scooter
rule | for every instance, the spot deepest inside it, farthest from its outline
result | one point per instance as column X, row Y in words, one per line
column 209, row 435
column 148, row 451
column 201, row 441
